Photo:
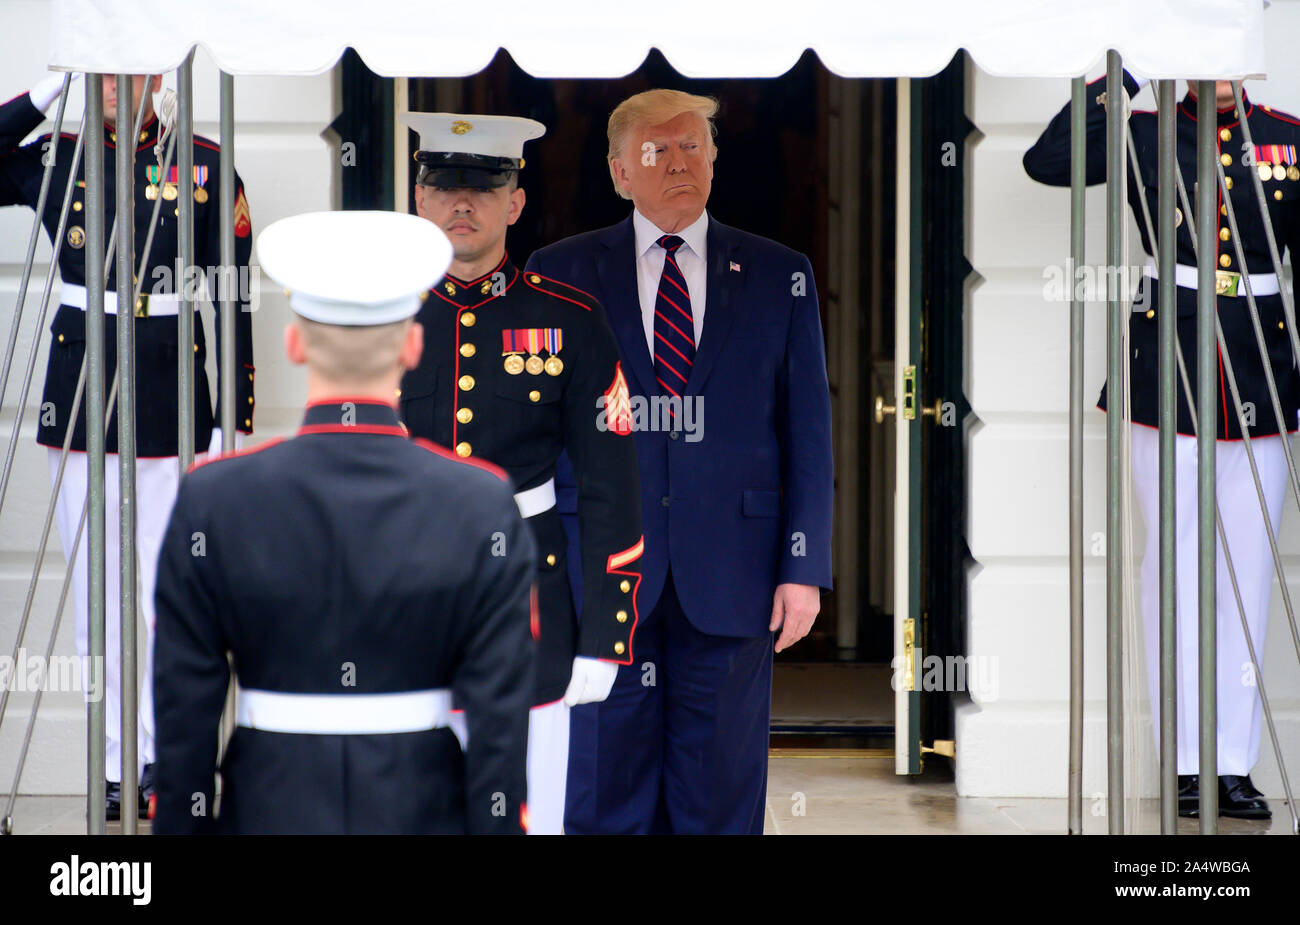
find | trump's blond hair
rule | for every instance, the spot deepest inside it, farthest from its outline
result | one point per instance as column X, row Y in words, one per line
column 655, row 107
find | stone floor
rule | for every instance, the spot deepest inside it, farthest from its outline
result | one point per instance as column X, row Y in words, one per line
column 811, row 793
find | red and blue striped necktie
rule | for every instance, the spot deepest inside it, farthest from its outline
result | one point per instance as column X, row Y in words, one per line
column 674, row 324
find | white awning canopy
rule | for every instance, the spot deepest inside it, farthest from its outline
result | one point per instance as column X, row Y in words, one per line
column 1199, row 39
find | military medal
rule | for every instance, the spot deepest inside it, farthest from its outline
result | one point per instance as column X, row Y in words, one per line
column 534, row 365
column 154, row 173
column 554, row 341
column 1265, row 171
column 514, row 364
column 200, row 195
column 151, row 192
column 1293, row 172
column 169, row 192
column 200, row 177
column 1279, row 172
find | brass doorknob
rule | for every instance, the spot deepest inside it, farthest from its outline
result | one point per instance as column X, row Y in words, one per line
column 883, row 409
column 935, row 411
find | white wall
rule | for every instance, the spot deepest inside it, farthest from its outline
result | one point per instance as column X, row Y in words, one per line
column 288, row 163
column 1017, row 383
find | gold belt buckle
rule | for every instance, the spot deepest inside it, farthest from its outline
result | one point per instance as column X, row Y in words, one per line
column 1226, row 282
column 142, row 306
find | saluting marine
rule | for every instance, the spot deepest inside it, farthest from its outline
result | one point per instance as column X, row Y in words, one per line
column 157, row 339
column 516, row 369
column 1273, row 157
column 354, row 577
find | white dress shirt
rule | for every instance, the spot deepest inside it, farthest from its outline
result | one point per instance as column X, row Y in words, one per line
column 691, row 258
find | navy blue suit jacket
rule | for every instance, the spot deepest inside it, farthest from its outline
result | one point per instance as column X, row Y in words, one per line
column 745, row 504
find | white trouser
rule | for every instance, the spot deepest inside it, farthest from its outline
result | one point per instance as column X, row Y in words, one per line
column 1240, row 709
column 156, row 485
column 548, row 764
column 548, row 767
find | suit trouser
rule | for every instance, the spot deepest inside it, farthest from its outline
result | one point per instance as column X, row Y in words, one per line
column 156, row 485
column 681, row 743
column 1240, row 709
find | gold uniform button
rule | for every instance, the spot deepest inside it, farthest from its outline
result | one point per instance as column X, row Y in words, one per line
column 1225, row 160
column 248, row 422
column 196, row 348
column 1277, row 194
column 1224, row 260
column 467, row 350
column 1281, row 325
column 621, row 616
column 1223, row 209
column 464, row 415
column 1225, row 134
column 60, row 338
column 76, row 207
column 1151, row 312
column 534, row 395
column 1228, row 182
column 468, row 319
column 250, row 399
column 463, row 449
column 619, row 648
column 1224, row 234
column 534, row 278
column 550, row 559
column 466, row 383
column 625, row 586
column 250, row 378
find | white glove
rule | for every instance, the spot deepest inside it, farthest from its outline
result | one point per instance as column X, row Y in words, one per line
column 48, row 88
column 214, row 445
column 591, row 681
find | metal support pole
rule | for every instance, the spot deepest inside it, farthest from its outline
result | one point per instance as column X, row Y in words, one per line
column 1168, row 420
column 1117, row 318
column 95, row 780
column 1207, row 431
column 124, row 163
column 1078, row 186
column 227, row 291
column 184, row 261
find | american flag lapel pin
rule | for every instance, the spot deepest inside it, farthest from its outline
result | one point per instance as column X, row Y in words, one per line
column 735, row 267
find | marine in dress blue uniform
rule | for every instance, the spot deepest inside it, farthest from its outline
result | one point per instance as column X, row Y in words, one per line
column 1276, row 138
column 157, row 341
column 517, row 368
column 359, row 581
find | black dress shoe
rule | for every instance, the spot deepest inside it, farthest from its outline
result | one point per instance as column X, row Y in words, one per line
column 146, row 790
column 1239, row 799
column 113, row 801
column 1189, row 796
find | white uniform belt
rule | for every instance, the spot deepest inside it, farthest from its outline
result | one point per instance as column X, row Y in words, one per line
column 343, row 714
column 151, row 305
column 1226, row 282
column 536, row 500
